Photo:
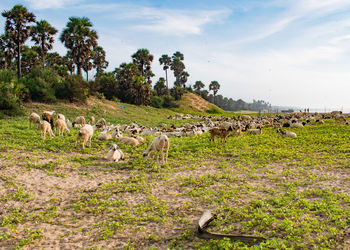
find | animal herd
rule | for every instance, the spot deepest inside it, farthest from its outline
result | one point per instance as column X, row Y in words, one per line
column 217, row 126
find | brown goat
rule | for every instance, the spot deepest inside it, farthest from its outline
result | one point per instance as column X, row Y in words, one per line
column 220, row 132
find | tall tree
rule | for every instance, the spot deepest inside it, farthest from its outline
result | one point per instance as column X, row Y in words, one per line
column 18, row 29
column 214, row 86
column 7, row 48
column 80, row 39
column 87, row 66
column 178, row 67
column 198, row 85
column 69, row 62
column 143, row 59
column 99, row 59
column 132, row 87
column 160, row 87
column 42, row 34
column 166, row 61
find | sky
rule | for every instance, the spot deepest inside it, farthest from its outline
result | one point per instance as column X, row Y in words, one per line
column 286, row 52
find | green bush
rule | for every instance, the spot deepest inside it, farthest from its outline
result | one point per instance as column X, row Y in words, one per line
column 169, row 102
column 73, row 88
column 40, row 83
column 157, row 101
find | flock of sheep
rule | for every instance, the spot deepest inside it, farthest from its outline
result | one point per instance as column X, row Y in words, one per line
column 217, row 126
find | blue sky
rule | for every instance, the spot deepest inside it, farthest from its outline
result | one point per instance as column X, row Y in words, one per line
column 287, row 52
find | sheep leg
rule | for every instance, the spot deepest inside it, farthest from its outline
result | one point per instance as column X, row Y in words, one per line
column 162, row 154
column 90, row 141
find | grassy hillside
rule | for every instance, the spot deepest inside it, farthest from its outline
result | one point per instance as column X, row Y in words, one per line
column 294, row 192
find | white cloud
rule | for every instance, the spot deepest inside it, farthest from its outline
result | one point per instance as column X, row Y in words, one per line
column 49, row 4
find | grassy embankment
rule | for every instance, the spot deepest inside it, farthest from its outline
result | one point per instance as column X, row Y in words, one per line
column 294, row 192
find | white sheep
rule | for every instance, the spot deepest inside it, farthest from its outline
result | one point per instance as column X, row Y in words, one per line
column 85, row 133
column 158, row 145
column 128, row 140
column 80, row 120
column 45, row 127
column 255, row 131
column 139, row 138
column 61, row 116
column 35, row 119
column 104, row 136
column 92, row 120
column 101, row 123
column 61, row 126
column 285, row 134
column 115, row 154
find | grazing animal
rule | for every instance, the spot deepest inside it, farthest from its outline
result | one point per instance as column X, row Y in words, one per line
column 92, row 120
column 158, row 145
column 128, row 140
column 285, row 134
column 61, row 116
column 35, row 119
column 61, row 126
column 48, row 116
column 85, row 133
column 220, row 132
column 255, row 131
column 45, row 127
column 80, row 120
column 115, row 153
column 339, row 119
column 139, row 138
column 104, row 136
column 101, row 124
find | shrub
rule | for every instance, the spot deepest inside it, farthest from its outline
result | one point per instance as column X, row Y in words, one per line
column 73, row 88
column 40, row 83
column 169, row 102
column 157, row 101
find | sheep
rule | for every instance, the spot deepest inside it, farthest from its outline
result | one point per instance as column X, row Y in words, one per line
column 104, row 136
column 69, row 123
column 45, row 127
column 158, row 145
column 35, row 119
column 61, row 116
column 92, row 120
column 139, row 138
column 285, row 134
column 115, row 154
column 220, row 132
column 80, row 120
column 61, row 126
column 101, row 124
column 48, row 116
column 255, row 131
column 296, row 125
column 339, row 119
column 129, row 141
column 86, row 134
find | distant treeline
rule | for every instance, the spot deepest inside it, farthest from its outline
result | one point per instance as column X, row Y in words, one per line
column 35, row 73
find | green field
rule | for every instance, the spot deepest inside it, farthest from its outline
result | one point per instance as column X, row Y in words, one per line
column 293, row 192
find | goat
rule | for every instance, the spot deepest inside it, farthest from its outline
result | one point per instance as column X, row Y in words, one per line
column 220, row 132
column 48, row 116
column 85, row 133
column 158, row 145
column 255, row 131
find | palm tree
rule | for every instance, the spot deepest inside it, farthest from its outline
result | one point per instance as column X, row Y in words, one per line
column 7, row 48
column 80, row 39
column 69, row 62
column 17, row 20
column 166, row 60
column 214, row 86
column 178, row 67
column 143, row 59
column 160, row 87
column 42, row 35
column 99, row 59
column 198, row 85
